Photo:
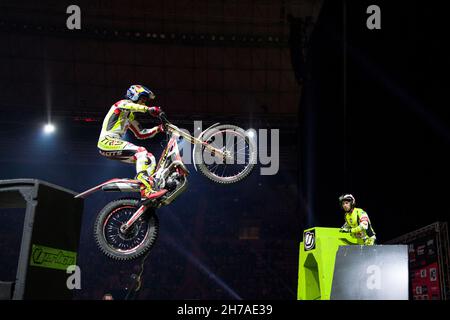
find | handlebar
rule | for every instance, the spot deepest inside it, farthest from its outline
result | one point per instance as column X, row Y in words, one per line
column 162, row 116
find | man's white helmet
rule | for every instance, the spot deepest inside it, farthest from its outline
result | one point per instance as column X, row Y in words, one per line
column 347, row 197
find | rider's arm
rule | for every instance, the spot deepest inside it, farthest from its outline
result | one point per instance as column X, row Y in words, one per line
column 345, row 227
column 141, row 133
column 134, row 107
column 363, row 223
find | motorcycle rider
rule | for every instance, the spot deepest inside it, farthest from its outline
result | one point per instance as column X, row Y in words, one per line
column 357, row 221
column 120, row 118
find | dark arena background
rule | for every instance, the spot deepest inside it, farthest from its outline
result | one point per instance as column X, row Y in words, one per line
column 358, row 111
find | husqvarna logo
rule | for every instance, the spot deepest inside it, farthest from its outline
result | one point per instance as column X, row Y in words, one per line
column 309, row 240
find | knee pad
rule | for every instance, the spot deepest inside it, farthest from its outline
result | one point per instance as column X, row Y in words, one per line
column 145, row 161
column 151, row 163
column 140, row 153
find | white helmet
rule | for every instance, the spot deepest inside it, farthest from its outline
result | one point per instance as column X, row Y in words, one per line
column 347, row 197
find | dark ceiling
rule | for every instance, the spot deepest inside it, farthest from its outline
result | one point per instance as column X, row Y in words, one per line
column 200, row 57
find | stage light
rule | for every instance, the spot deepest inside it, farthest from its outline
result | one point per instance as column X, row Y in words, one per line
column 49, row 128
column 251, row 133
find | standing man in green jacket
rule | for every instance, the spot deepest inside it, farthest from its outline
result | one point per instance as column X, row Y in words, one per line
column 357, row 221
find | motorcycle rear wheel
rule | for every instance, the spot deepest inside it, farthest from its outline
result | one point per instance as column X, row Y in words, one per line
column 138, row 240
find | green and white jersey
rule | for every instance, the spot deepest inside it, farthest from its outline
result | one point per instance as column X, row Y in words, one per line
column 121, row 117
column 359, row 223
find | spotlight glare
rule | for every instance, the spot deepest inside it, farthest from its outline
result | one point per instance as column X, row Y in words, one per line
column 49, row 128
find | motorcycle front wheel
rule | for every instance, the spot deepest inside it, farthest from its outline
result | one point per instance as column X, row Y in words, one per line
column 239, row 148
column 136, row 241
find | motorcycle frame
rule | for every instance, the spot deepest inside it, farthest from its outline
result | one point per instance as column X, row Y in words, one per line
column 171, row 151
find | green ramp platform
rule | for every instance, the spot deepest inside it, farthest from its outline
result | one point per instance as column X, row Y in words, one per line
column 316, row 261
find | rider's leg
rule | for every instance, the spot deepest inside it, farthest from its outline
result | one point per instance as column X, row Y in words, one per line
column 116, row 149
column 125, row 151
column 145, row 167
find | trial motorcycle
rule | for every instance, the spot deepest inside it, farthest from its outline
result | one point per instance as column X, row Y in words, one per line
column 128, row 227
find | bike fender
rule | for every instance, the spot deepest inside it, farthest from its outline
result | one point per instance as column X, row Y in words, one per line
column 199, row 137
column 118, row 184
